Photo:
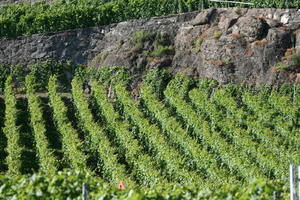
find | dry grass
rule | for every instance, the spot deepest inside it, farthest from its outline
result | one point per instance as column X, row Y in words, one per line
column 296, row 31
column 261, row 43
column 220, row 63
column 290, row 52
column 235, row 54
column 99, row 58
column 250, row 52
column 217, row 63
column 297, row 79
column 274, row 69
column 236, row 36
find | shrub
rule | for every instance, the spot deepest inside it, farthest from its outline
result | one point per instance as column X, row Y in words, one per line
column 160, row 51
column 197, row 44
column 281, row 67
column 217, row 34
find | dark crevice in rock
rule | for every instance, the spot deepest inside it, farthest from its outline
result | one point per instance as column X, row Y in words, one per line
column 232, row 22
column 264, row 30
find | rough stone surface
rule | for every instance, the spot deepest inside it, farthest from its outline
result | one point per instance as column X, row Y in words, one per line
column 251, row 27
column 3, row 2
column 205, row 17
column 251, row 46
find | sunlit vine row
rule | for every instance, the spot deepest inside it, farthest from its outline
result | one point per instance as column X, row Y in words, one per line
column 196, row 154
column 72, row 145
column 47, row 161
column 169, row 159
column 141, row 164
column 235, row 160
column 11, row 130
column 283, row 139
column 266, row 159
column 99, row 142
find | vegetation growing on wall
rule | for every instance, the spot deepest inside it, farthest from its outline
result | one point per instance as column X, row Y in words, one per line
column 44, row 17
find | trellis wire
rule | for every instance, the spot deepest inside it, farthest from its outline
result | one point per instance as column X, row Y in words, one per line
column 236, row 2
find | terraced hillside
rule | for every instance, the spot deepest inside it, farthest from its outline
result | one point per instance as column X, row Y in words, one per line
column 192, row 134
column 205, row 105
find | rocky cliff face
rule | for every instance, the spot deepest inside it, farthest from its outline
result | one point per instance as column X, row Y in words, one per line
column 251, row 46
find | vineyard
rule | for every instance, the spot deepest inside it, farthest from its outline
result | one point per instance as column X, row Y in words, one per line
column 23, row 19
column 154, row 128
column 176, row 138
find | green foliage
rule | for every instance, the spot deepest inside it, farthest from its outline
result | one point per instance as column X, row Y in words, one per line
column 142, row 168
column 47, row 161
column 280, row 66
column 199, row 140
column 197, row 44
column 67, row 185
column 217, row 34
column 41, row 17
column 261, row 189
column 105, row 75
column 62, row 185
column 160, row 41
column 296, row 61
column 235, row 160
column 142, row 36
column 197, row 157
column 44, row 17
column 41, row 73
column 287, row 89
column 17, row 73
column 158, row 79
column 207, row 85
column 98, row 142
column 72, row 146
column 64, row 71
column 273, row 162
column 167, row 156
column 160, row 51
column 11, row 130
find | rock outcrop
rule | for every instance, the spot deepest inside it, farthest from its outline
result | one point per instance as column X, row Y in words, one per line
column 251, row 46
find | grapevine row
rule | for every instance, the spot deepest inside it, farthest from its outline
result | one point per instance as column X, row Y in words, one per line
column 236, row 160
column 11, row 130
column 284, row 106
column 41, row 17
column 47, row 161
column 157, row 144
column 99, row 142
column 72, row 146
column 141, row 164
column 282, row 137
column 265, row 158
column 196, row 154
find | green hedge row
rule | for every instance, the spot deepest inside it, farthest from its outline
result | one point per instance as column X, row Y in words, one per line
column 68, row 185
column 41, row 73
column 43, row 17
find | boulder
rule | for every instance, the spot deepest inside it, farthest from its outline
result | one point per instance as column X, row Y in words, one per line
column 251, row 27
